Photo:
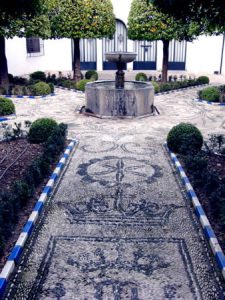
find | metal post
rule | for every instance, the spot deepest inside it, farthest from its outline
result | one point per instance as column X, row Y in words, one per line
column 221, row 62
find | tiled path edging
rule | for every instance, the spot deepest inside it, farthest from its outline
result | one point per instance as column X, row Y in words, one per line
column 207, row 229
column 181, row 89
column 68, row 89
column 10, row 117
column 29, row 226
column 209, row 102
column 28, row 97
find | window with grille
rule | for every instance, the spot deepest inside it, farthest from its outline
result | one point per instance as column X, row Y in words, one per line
column 35, row 46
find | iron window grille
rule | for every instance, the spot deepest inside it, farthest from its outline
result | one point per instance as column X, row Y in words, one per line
column 35, row 46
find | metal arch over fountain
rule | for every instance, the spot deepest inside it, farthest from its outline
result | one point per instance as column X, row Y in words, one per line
column 120, row 98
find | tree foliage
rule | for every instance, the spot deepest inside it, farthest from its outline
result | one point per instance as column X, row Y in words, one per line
column 82, row 19
column 146, row 22
column 77, row 19
column 210, row 14
column 23, row 18
column 17, row 8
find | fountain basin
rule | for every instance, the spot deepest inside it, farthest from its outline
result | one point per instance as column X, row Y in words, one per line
column 122, row 57
column 136, row 99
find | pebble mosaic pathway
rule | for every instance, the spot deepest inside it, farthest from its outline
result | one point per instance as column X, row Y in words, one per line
column 119, row 226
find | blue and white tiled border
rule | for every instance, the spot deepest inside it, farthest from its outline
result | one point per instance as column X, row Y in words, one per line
column 207, row 229
column 29, row 226
column 28, row 97
column 7, row 118
column 181, row 89
column 68, row 89
column 209, row 102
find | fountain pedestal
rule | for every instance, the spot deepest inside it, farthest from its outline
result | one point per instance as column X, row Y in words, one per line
column 120, row 75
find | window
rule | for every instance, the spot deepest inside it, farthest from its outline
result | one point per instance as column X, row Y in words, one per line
column 35, row 46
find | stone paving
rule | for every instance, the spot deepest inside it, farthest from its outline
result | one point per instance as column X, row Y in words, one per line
column 119, row 225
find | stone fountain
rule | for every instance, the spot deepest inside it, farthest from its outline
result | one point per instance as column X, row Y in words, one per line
column 120, row 98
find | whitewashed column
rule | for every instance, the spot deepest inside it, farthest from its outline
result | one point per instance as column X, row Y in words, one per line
column 99, row 55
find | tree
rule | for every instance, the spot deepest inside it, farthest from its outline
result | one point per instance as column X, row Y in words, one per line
column 20, row 18
column 146, row 22
column 209, row 13
column 16, row 8
column 77, row 19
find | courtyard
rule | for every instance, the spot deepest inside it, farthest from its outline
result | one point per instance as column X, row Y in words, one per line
column 118, row 224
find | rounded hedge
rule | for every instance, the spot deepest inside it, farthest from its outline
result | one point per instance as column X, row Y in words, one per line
column 41, row 88
column 156, row 86
column 38, row 75
column 203, row 80
column 210, row 94
column 221, row 88
column 141, row 77
column 67, row 83
column 185, row 138
column 92, row 75
column 81, row 84
column 51, row 85
column 165, row 87
column 20, row 80
column 6, row 107
column 41, row 129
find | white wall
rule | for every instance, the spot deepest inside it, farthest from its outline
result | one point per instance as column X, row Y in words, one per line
column 204, row 54
column 121, row 9
column 57, row 56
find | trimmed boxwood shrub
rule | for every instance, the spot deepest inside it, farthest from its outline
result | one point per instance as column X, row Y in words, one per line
column 165, row 87
column 21, row 90
column 191, row 82
column 20, row 80
column 41, row 88
column 210, row 94
column 221, row 88
column 51, row 78
column 175, row 85
column 156, row 86
column 41, row 129
column 51, row 87
column 67, row 83
column 92, row 75
column 203, row 80
column 38, row 75
column 185, row 138
column 6, row 107
column 21, row 192
column 141, row 77
column 81, row 84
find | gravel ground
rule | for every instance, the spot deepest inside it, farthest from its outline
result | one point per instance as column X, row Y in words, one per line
column 119, row 225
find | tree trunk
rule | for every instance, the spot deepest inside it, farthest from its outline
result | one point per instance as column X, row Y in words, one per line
column 76, row 60
column 165, row 60
column 4, row 79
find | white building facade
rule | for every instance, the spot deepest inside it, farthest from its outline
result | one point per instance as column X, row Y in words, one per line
column 204, row 55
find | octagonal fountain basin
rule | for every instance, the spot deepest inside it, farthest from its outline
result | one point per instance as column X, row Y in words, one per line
column 136, row 99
